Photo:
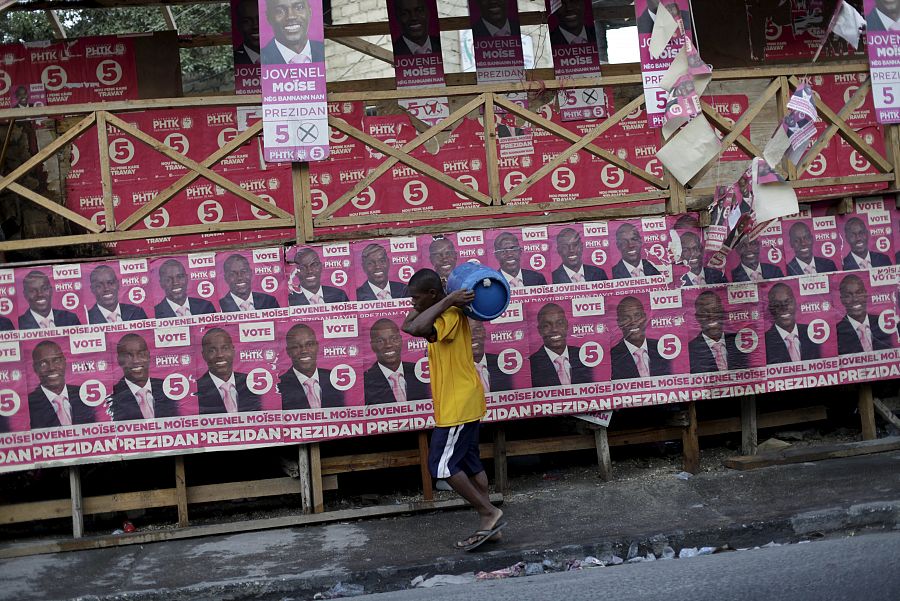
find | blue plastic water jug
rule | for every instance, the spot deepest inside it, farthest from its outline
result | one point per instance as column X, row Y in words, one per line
column 490, row 287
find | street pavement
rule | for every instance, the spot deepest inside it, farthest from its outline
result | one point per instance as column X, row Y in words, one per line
column 569, row 517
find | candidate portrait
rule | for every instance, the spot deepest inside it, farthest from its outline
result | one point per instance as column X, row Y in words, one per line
column 487, row 364
column 378, row 285
column 107, row 308
column 508, row 252
column 414, row 17
column 54, row 402
column 713, row 349
column 751, row 269
column 390, row 379
column 856, row 235
column 289, row 20
column 556, row 363
column 173, row 281
column 635, row 355
column 38, row 294
column 221, row 389
column 308, row 269
column 238, row 277
column 630, row 245
column 692, row 256
column 306, row 385
column 570, row 249
column 787, row 341
column 858, row 330
column 800, row 239
column 136, row 395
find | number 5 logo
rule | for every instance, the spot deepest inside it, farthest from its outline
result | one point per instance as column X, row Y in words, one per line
column 9, row 402
column 92, row 393
column 591, row 354
column 176, row 386
column 259, row 381
column 669, row 346
column 422, row 372
column 343, row 377
column 819, row 331
column 887, row 321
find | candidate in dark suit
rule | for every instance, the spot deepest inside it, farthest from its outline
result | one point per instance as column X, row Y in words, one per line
column 750, row 269
column 704, row 357
column 305, row 385
column 692, row 256
column 376, row 266
column 173, row 281
column 221, row 389
column 632, row 321
column 487, row 364
column 6, row 324
column 630, row 244
column 290, row 25
column 494, row 20
column 136, row 385
column 804, row 262
column 443, row 256
column 877, row 19
column 571, row 26
column 390, row 379
column 107, row 308
column 859, row 331
column 648, row 18
column 786, row 333
column 39, row 293
column 508, row 251
column 247, row 23
column 556, row 363
column 570, row 249
column 414, row 18
column 239, row 277
column 49, row 365
column 856, row 235
column 308, row 268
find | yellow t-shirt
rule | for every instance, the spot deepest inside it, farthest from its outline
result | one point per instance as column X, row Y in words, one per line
column 455, row 386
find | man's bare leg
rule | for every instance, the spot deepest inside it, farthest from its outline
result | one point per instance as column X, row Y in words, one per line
column 475, row 491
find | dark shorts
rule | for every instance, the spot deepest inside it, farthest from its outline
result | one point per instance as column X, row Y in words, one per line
column 455, row 449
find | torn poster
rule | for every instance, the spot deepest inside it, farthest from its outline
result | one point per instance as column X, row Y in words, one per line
column 687, row 152
column 884, row 62
column 796, row 130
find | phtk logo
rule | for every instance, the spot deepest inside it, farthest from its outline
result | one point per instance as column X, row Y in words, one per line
column 476, row 164
column 187, row 122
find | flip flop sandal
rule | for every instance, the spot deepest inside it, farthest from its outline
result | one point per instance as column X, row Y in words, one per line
column 481, row 537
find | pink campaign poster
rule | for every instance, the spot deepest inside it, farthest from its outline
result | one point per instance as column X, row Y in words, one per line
column 575, row 54
column 110, row 72
column 812, row 245
column 236, row 380
column 800, row 339
column 443, row 252
column 725, row 338
column 15, row 81
column 183, row 286
column 500, row 349
column 606, row 179
column 49, row 297
column 461, row 165
column 759, row 259
column 580, row 252
column 382, row 268
column 641, row 251
column 884, row 62
column 521, row 255
column 292, row 55
column 653, row 69
column 69, row 380
column 866, row 304
column 867, row 238
column 513, row 171
column 7, row 299
column 319, row 275
column 250, row 280
column 115, row 291
column 320, row 377
column 15, row 438
column 497, row 43
column 396, row 364
column 245, row 45
column 273, row 186
column 342, row 145
column 60, row 70
column 418, row 63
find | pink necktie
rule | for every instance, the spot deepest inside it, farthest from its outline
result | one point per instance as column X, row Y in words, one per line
column 113, row 317
column 485, row 377
column 245, row 306
column 809, row 270
column 642, row 361
column 398, row 386
column 565, row 378
column 45, row 323
column 865, row 264
column 638, row 272
column 181, row 311
column 755, row 276
column 144, row 404
column 317, row 299
column 719, row 354
column 228, row 397
column 700, row 280
column 516, row 282
column 300, row 59
column 61, row 405
column 577, row 278
column 793, row 347
column 311, row 395
column 865, row 337
column 384, row 295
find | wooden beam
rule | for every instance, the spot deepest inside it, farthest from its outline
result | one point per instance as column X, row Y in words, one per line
column 76, row 500
column 867, row 412
column 367, row 48
column 690, row 442
column 59, row 32
column 109, row 217
column 817, row 453
column 892, row 145
column 427, row 489
column 604, row 463
column 823, row 140
column 315, row 470
column 781, row 110
column 885, row 412
column 720, row 123
column 186, row 179
column 169, row 18
column 181, row 498
column 501, row 475
column 490, row 149
column 748, row 425
column 305, row 481
column 53, row 207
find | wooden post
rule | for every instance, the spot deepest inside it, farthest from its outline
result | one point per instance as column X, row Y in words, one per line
column 501, row 477
column 690, row 442
column 677, row 203
column 303, row 225
column 892, row 146
column 305, row 480
column 427, row 489
column 315, row 469
column 77, row 505
column 181, row 492
column 105, row 175
column 867, row 412
column 784, row 96
column 748, row 425
column 490, row 149
column 603, row 461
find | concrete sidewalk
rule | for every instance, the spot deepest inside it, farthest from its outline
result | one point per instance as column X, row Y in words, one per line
column 565, row 518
